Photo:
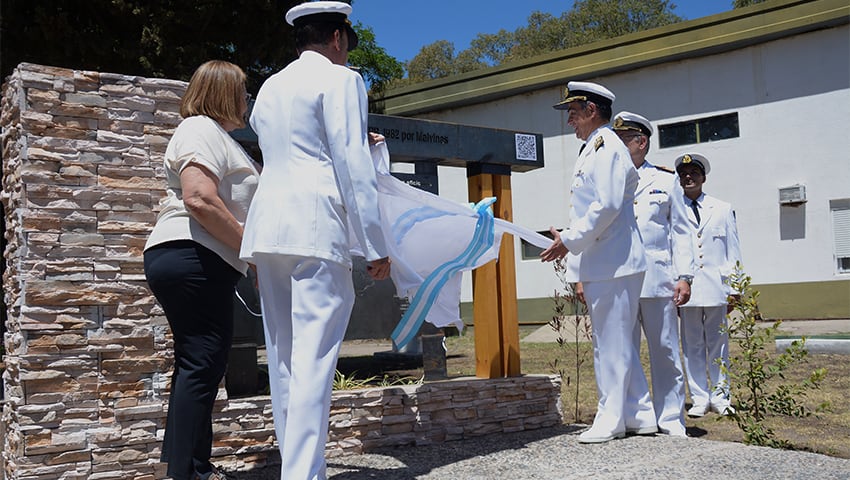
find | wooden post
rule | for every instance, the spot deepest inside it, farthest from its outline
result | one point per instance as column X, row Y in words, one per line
column 506, row 281
column 494, row 308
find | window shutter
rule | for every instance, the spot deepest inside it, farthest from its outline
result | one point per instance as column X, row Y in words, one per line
column 841, row 230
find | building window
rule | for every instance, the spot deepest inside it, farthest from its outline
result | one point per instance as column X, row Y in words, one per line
column 841, row 233
column 709, row 129
column 531, row 252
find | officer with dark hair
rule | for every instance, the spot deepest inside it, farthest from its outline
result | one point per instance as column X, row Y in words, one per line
column 703, row 319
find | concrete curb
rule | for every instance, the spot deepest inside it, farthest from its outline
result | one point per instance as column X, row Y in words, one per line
column 817, row 345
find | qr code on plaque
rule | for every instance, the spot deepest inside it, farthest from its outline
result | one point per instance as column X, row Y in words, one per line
column 526, row 147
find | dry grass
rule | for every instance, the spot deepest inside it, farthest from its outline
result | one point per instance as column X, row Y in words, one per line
column 828, row 433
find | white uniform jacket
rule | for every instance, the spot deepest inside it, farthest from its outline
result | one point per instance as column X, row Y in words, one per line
column 664, row 228
column 318, row 176
column 716, row 251
column 602, row 219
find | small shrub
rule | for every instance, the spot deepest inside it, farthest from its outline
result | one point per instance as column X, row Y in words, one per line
column 570, row 314
column 389, row 381
column 753, row 374
column 351, row 382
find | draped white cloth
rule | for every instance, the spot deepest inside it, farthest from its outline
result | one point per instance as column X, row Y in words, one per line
column 431, row 242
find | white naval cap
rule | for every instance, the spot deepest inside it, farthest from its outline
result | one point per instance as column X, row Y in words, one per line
column 323, row 11
column 632, row 121
column 696, row 159
column 585, row 91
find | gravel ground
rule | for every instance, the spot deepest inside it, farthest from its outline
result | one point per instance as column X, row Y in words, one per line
column 554, row 453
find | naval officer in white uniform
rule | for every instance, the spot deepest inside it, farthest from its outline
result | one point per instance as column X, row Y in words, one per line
column 604, row 232
column 318, row 182
column 703, row 319
column 664, row 229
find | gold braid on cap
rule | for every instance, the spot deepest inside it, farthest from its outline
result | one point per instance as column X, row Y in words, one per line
column 573, row 99
column 620, row 124
column 687, row 159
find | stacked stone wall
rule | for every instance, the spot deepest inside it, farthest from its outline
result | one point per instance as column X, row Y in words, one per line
column 88, row 351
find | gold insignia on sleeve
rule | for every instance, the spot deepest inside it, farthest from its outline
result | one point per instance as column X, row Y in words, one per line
column 599, row 142
column 687, row 159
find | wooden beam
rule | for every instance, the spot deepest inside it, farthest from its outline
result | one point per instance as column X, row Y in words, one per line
column 485, row 294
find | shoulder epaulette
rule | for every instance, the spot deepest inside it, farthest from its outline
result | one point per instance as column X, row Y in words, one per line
column 665, row 169
column 599, row 142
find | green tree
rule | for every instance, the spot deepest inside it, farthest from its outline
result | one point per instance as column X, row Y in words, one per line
column 745, row 3
column 593, row 20
column 166, row 38
column 587, row 21
column 376, row 65
column 438, row 60
column 433, row 61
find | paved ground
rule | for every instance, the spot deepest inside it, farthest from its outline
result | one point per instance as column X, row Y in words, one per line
column 554, row 453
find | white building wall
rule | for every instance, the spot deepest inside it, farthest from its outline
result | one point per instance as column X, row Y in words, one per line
column 792, row 97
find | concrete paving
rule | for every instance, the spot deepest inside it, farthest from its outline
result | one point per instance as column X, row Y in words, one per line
column 555, row 454
column 808, row 328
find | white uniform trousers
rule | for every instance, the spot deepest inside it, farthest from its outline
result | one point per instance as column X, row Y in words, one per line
column 306, row 306
column 624, row 401
column 702, row 344
column 660, row 322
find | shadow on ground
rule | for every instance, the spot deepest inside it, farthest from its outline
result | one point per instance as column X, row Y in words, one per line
column 407, row 463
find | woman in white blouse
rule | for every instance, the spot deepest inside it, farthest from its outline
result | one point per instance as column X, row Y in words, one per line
column 191, row 257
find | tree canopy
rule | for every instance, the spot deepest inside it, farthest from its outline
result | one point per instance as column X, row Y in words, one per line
column 745, row 3
column 170, row 38
column 587, row 21
column 166, row 38
column 376, row 66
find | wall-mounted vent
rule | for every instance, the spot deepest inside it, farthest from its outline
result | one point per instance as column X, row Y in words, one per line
column 793, row 195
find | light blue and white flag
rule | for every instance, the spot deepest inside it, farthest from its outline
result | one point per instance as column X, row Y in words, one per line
column 431, row 242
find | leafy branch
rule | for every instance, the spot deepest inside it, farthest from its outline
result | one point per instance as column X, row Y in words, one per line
column 753, row 373
column 570, row 315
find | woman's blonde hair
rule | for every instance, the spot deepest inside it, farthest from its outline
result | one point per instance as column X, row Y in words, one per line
column 216, row 89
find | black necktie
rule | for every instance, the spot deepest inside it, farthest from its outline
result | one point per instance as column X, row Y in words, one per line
column 695, row 208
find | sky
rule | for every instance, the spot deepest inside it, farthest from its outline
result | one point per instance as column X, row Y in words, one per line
column 403, row 27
